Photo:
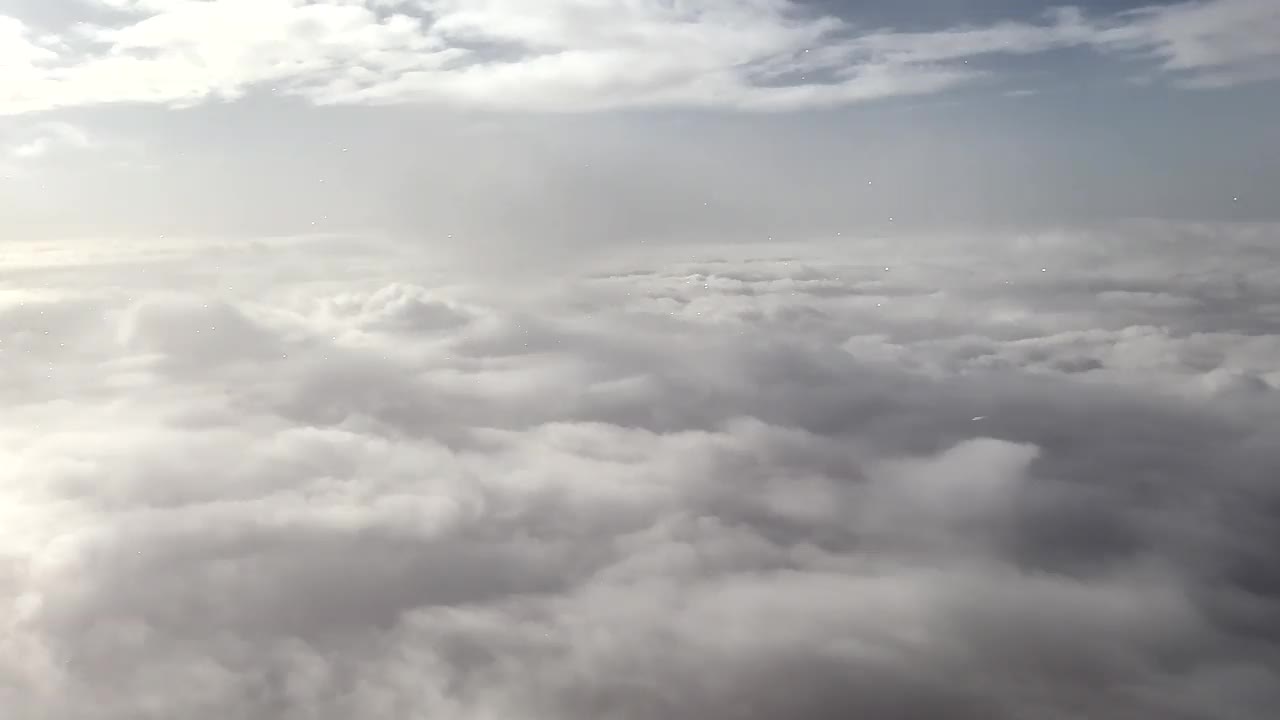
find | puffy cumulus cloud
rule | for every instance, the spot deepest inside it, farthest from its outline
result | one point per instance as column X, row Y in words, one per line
column 398, row 308
column 574, row 55
column 1029, row 477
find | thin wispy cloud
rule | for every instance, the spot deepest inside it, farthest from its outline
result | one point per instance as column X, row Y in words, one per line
column 1208, row 43
column 49, row 137
column 571, row 55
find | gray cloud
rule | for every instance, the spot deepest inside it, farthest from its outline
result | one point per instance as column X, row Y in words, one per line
column 981, row 477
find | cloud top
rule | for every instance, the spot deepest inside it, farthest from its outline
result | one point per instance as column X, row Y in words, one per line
column 731, row 484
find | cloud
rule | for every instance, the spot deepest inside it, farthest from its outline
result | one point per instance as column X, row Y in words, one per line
column 20, row 49
column 49, row 137
column 332, row 479
column 1206, row 43
column 574, row 55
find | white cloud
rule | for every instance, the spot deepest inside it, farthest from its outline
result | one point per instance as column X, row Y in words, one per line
column 20, row 51
column 1207, row 43
column 333, row 479
column 574, row 54
column 48, row 137
column 1066, row 28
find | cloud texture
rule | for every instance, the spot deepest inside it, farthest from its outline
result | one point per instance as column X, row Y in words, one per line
column 1027, row 477
column 576, row 55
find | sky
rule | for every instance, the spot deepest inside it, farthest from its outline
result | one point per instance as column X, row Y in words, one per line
column 555, row 123
column 639, row 359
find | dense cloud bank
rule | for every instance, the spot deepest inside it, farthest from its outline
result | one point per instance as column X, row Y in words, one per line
column 1031, row 477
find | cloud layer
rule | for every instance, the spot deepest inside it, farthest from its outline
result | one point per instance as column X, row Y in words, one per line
column 576, row 55
column 1029, row 477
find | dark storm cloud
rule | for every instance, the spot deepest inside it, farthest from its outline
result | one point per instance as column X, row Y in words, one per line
column 715, row 485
